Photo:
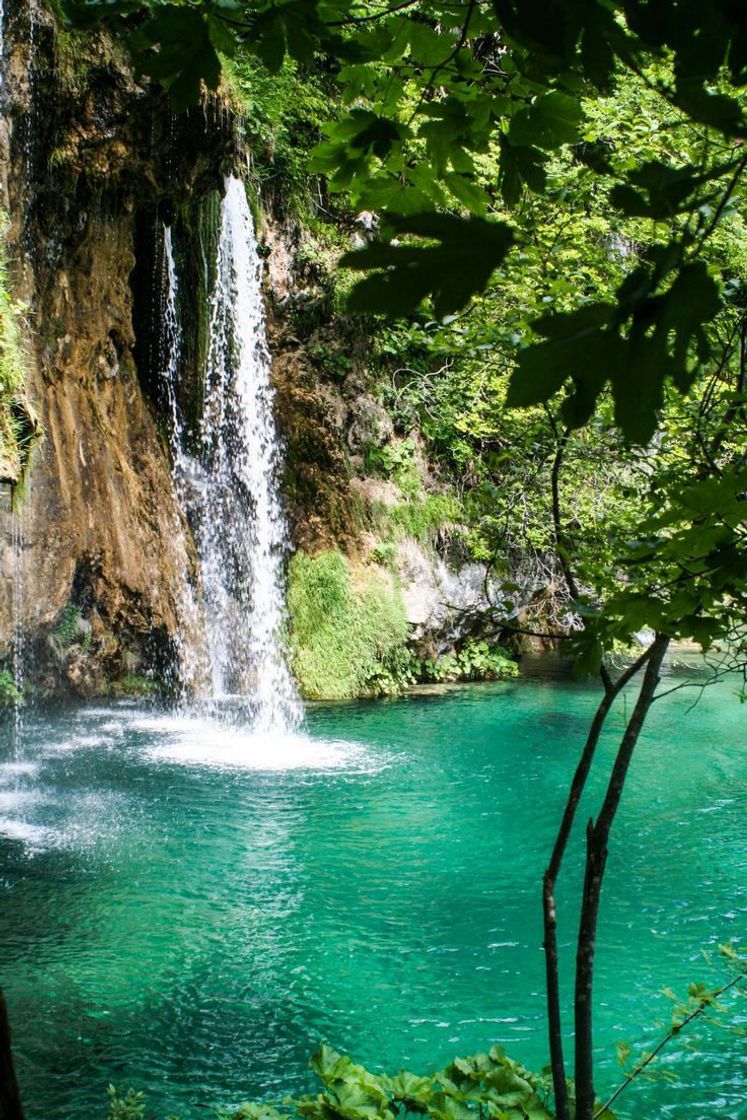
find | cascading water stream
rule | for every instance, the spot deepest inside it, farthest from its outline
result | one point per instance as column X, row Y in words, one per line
column 18, row 607
column 229, row 486
column 193, row 668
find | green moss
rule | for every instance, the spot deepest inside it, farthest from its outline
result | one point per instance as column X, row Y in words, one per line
column 10, row 696
column 196, row 234
column 282, row 115
column 132, row 686
column 347, row 639
column 66, row 629
column 80, row 53
column 421, row 517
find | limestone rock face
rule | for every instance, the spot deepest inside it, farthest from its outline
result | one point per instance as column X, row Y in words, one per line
column 86, row 180
column 444, row 603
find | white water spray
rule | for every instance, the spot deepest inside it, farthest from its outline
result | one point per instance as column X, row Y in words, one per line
column 229, row 488
column 19, row 633
column 193, row 668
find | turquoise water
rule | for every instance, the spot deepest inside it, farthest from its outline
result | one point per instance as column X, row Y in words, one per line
column 188, row 910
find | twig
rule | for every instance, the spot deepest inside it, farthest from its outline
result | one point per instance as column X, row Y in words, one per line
column 675, row 1030
column 373, row 16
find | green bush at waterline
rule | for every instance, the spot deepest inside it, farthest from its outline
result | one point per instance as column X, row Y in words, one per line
column 347, row 636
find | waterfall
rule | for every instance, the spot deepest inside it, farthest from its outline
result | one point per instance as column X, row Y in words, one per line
column 18, row 610
column 229, row 485
column 193, row 669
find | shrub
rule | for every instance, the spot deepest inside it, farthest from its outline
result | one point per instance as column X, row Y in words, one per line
column 346, row 639
column 66, row 628
column 484, row 1085
column 475, row 661
column 10, row 695
column 127, row 1105
column 489, row 1085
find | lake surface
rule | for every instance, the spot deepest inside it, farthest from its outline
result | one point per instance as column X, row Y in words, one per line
column 188, row 909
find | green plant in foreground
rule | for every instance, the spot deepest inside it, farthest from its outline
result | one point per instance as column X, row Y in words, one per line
column 125, row 1104
column 485, row 1085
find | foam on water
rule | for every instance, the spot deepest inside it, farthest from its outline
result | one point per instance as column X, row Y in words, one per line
column 11, row 771
column 193, row 741
column 11, row 800
column 32, row 835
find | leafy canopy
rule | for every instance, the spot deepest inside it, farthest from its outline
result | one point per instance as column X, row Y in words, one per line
column 431, row 88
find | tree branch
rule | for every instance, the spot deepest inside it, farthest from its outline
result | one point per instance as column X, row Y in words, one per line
column 549, row 881
column 675, row 1030
column 597, row 836
column 10, row 1099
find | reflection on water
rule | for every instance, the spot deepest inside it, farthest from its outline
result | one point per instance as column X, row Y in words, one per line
column 188, row 907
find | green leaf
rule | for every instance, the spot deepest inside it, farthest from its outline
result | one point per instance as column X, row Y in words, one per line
column 638, row 387
column 666, row 190
column 467, row 252
column 715, row 109
column 520, row 165
column 551, row 120
column 576, row 347
column 693, row 299
column 541, row 371
column 185, row 57
column 467, row 192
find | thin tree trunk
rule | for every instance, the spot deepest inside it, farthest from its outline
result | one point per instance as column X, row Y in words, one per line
column 557, row 1061
column 597, row 837
column 10, row 1100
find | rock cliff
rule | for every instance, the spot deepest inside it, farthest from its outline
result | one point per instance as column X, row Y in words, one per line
column 100, row 541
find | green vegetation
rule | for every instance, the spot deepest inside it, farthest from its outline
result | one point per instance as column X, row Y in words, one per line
column 81, row 55
column 19, row 429
column 475, row 661
column 347, row 635
column 282, row 115
column 485, row 1084
column 67, row 629
column 133, row 686
column 471, row 1088
column 127, row 1105
column 419, row 517
column 10, row 696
